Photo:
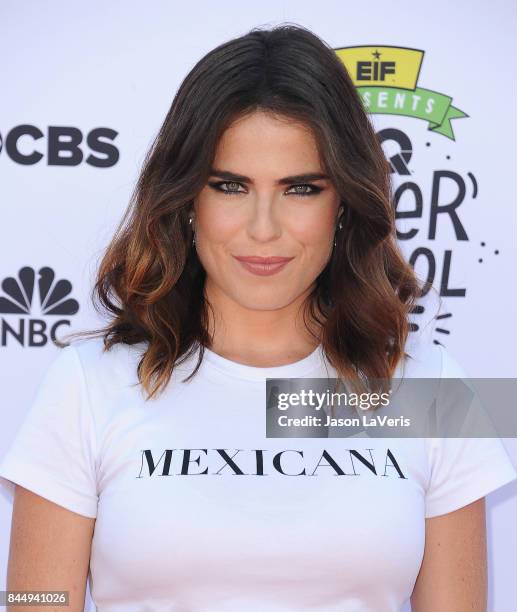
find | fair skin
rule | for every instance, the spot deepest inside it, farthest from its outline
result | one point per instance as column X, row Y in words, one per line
column 264, row 218
column 50, row 546
column 49, row 550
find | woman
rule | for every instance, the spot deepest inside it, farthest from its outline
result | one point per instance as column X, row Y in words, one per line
column 260, row 242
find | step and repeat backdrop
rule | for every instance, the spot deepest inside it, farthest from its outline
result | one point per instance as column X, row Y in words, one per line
column 85, row 88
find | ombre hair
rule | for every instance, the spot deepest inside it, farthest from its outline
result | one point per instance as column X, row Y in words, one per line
column 150, row 280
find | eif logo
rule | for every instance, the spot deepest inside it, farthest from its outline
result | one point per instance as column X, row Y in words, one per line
column 37, row 306
column 375, row 70
column 60, row 146
column 386, row 78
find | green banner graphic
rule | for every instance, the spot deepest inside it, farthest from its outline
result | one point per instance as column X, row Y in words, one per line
column 420, row 103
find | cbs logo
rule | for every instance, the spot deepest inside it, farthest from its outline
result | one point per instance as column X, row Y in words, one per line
column 60, row 146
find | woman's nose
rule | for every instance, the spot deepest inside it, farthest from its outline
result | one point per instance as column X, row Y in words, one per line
column 263, row 223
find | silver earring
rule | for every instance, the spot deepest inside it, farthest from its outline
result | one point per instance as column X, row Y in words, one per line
column 340, row 226
column 194, row 235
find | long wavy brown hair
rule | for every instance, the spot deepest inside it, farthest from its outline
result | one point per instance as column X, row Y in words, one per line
column 150, row 280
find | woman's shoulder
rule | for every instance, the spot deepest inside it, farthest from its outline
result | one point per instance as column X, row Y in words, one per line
column 118, row 363
column 428, row 358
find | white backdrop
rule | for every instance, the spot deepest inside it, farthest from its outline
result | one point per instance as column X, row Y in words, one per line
column 72, row 68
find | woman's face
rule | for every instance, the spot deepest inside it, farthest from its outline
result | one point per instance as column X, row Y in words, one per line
column 256, row 203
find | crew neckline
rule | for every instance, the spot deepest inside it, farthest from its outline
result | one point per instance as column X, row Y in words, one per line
column 295, row 369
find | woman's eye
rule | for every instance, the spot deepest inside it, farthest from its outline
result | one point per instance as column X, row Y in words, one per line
column 232, row 187
column 305, row 190
column 228, row 187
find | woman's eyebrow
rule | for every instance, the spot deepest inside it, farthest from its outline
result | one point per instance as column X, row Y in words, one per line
column 298, row 178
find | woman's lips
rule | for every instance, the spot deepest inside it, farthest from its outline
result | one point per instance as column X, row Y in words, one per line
column 264, row 266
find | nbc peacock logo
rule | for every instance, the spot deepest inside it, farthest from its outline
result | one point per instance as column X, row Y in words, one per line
column 34, row 305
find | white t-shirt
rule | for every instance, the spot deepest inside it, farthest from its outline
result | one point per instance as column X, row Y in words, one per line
column 197, row 511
